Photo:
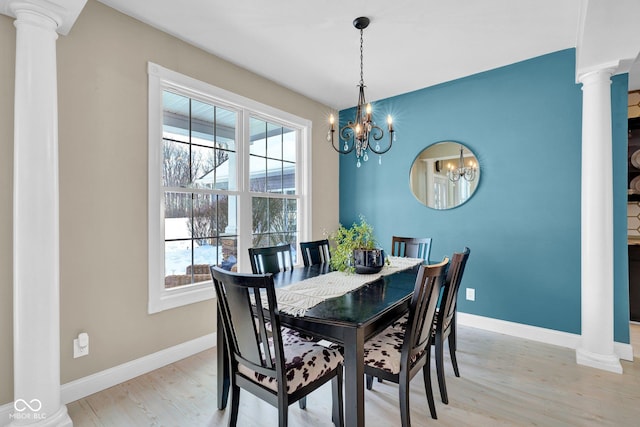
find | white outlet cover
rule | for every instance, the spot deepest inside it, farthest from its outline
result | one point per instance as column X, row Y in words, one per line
column 79, row 351
column 471, row 294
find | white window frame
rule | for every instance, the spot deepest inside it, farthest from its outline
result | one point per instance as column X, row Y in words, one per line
column 160, row 79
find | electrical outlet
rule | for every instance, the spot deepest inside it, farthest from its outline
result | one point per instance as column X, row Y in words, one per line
column 81, row 345
column 471, row 294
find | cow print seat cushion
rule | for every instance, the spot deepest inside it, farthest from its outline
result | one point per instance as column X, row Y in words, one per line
column 401, row 323
column 305, row 362
column 384, row 350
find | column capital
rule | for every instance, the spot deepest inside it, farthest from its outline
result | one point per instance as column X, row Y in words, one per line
column 601, row 71
column 63, row 12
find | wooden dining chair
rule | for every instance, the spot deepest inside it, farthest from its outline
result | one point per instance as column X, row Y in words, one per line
column 316, row 252
column 445, row 323
column 274, row 259
column 265, row 360
column 397, row 355
column 411, row 247
column 271, row 259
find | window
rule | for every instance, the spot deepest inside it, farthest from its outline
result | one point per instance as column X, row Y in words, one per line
column 225, row 173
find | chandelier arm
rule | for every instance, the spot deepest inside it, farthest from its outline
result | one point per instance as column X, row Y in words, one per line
column 469, row 174
column 347, row 135
column 342, row 151
column 376, row 132
column 348, row 131
column 379, row 138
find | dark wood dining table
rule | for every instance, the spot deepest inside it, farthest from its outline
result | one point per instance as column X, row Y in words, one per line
column 348, row 320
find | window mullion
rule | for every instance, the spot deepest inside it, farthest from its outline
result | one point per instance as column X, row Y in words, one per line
column 245, row 219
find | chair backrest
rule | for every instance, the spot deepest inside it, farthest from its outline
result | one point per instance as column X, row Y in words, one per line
column 450, row 292
column 272, row 259
column 411, row 247
column 316, row 252
column 422, row 309
column 245, row 324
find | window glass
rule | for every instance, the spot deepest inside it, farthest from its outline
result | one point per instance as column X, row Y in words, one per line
column 195, row 157
column 274, row 215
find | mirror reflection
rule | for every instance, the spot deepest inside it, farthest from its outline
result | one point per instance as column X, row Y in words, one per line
column 444, row 175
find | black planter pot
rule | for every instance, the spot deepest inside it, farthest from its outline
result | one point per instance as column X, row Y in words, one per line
column 368, row 261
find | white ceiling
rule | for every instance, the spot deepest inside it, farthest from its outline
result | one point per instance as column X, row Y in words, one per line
column 313, row 48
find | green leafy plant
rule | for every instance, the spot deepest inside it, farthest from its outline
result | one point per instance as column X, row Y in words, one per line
column 358, row 236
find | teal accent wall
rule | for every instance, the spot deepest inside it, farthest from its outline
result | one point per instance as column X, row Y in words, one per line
column 523, row 122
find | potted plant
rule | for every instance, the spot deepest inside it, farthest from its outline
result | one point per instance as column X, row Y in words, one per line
column 356, row 249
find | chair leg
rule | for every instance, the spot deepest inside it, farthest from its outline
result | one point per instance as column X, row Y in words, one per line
column 440, row 369
column 403, row 389
column 337, row 402
column 426, row 375
column 452, row 351
column 235, row 405
column 369, row 379
column 283, row 414
column 303, row 403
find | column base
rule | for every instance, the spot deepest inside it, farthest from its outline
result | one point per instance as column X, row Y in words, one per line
column 59, row 419
column 605, row 362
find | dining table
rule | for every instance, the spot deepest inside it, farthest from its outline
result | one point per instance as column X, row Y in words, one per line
column 347, row 320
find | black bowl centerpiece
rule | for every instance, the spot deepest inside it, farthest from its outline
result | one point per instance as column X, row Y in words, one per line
column 368, row 261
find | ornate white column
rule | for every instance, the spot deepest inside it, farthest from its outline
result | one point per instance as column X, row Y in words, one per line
column 36, row 300
column 596, row 348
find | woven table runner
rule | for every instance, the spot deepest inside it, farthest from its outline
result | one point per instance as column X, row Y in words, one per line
column 296, row 299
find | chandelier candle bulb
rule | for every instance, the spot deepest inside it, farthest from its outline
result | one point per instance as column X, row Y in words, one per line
column 390, row 122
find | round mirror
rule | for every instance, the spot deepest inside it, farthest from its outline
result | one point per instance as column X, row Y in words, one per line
column 444, row 175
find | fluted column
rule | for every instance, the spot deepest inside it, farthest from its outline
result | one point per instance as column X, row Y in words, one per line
column 36, row 299
column 596, row 348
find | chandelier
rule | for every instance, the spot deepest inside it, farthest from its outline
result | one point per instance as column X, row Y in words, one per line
column 363, row 132
column 462, row 171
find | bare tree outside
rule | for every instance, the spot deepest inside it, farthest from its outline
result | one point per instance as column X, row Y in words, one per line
column 274, row 221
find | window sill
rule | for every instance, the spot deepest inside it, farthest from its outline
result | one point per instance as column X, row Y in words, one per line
column 183, row 295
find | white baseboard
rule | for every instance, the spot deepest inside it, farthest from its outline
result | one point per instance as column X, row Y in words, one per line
column 5, row 412
column 623, row 350
column 534, row 333
column 94, row 383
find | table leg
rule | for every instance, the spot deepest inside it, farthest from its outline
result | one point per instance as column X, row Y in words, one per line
column 354, row 377
column 223, row 364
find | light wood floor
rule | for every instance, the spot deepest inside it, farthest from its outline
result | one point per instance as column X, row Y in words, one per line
column 505, row 381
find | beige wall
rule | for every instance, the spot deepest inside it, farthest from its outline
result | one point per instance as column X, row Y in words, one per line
column 7, row 65
column 102, row 92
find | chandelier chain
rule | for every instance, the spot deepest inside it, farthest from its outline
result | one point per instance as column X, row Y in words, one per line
column 361, row 60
